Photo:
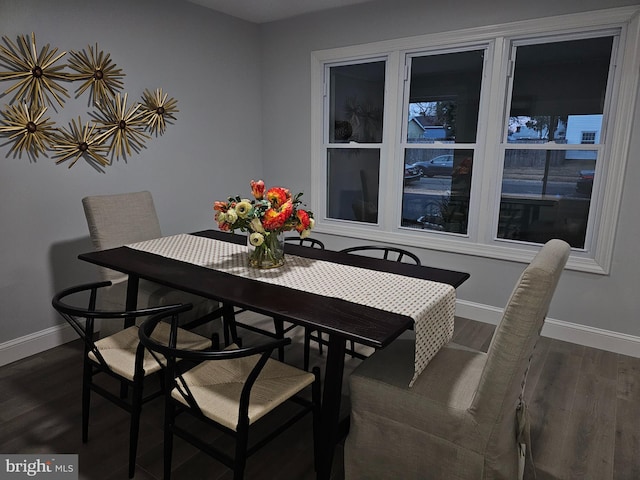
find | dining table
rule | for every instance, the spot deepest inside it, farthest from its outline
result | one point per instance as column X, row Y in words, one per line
column 374, row 301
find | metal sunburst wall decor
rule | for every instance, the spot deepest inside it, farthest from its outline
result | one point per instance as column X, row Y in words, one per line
column 117, row 130
column 25, row 126
column 159, row 110
column 36, row 73
column 123, row 125
column 98, row 72
column 81, row 142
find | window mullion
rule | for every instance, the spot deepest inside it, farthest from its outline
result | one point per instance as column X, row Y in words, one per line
column 489, row 171
column 390, row 164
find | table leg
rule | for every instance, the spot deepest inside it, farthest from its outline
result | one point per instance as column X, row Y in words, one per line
column 229, row 325
column 330, row 412
column 132, row 298
column 131, row 303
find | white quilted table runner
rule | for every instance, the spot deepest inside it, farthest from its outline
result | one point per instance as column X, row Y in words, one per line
column 430, row 304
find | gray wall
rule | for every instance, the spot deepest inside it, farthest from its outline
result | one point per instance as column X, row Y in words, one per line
column 231, row 77
column 606, row 302
column 209, row 62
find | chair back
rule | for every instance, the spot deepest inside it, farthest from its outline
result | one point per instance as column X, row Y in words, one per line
column 82, row 319
column 514, row 340
column 116, row 220
column 305, row 242
column 387, row 253
column 174, row 355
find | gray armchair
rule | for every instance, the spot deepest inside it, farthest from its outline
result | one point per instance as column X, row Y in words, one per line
column 461, row 418
column 116, row 220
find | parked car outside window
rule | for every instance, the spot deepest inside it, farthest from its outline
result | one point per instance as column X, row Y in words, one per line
column 585, row 181
column 411, row 174
column 440, row 165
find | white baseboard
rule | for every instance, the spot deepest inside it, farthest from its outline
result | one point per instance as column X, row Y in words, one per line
column 35, row 343
column 624, row 344
column 560, row 330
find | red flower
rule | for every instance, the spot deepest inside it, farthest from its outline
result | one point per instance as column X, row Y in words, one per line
column 303, row 220
column 275, row 218
column 257, row 188
column 278, row 196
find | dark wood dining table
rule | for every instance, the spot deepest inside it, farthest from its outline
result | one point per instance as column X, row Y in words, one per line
column 340, row 320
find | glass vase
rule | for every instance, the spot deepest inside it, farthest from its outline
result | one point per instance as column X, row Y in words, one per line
column 270, row 253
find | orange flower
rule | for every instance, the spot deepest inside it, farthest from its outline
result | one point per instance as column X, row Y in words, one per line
column 220, row 206
column 257, row 188
column 275, row 218
column 278, row 196
column 303, row 220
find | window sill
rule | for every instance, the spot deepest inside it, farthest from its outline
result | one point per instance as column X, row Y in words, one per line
column 499, row 250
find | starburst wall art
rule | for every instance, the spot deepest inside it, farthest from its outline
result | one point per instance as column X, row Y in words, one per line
column 160, row 110
column 97, row 72
column 117, row 130
column 81, row 142
column 36, row 74
column 123, row 125
column 27, row 129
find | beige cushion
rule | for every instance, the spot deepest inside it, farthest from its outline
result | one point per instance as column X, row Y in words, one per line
column 119, row 349
column 388, row 416
column 216, row 386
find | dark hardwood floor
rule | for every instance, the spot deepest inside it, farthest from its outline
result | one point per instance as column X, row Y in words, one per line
column 584, row 404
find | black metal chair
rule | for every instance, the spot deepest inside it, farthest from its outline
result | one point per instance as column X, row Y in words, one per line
column 230, row 389
column 119, row 355
column 279, row 329
column 387, row 253
column 305, row 242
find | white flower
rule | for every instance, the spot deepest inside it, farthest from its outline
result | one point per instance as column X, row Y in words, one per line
column 231, row 216
column 243, row 208
column 305, row 233
column 256, row 239
column 256, row 225
column 312, row 223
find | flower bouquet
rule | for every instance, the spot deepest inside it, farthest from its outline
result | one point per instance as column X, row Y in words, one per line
column 266, row 217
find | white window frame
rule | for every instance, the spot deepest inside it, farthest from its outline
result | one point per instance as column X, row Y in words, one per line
column 606, row 198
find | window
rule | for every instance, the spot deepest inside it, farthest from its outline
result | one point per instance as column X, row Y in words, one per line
column 356, row 108
column 480, row 142
column 440, row 139
column 557, row 89
column 588, row 137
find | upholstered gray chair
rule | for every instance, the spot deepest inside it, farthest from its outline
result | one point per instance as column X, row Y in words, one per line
column 120, row 219
column 461, row 418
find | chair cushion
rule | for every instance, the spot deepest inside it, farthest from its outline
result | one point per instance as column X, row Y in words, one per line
column 427, row 426
column 119, row 349
column 439, row 400
column 216, row 386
